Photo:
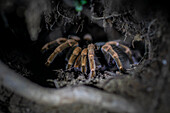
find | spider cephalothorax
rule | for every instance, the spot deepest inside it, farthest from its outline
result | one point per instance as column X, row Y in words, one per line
column 85, row 57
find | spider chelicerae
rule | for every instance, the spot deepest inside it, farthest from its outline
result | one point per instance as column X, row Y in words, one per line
column 86, row 56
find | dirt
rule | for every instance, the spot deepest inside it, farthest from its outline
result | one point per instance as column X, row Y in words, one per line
column 147, row 34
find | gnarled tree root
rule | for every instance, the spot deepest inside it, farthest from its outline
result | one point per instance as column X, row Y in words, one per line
column 65, row 96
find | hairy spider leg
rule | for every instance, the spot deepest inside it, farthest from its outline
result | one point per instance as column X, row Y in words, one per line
column 58, row 41
column 92, row 64
column 59, row 49
column 73, row 56
column 77, row 62
column 84, row 60
column 127, row 49
column 108, row 49
column 128, row 52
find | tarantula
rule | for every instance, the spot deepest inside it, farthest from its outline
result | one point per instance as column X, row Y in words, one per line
column 90, row 54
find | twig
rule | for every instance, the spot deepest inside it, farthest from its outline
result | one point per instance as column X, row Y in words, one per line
column 114, row 14
column 63, row 16
column 89, row 14
column 68, row 95
column 148, row 42
column 80, row 26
